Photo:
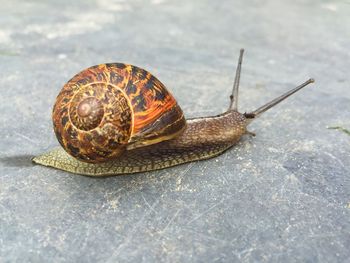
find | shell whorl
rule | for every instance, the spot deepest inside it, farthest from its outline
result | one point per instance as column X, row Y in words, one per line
column 108, row 108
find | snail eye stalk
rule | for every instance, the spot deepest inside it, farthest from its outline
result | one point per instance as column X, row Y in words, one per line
column 277, row 100
column 234, row 95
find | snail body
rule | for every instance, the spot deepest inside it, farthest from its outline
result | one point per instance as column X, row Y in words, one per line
column 116, row 119
column 203, row 138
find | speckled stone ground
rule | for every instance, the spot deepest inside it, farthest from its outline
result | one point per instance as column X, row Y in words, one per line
column 282, row 196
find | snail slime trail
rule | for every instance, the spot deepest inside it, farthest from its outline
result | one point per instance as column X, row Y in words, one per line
column 115, row 118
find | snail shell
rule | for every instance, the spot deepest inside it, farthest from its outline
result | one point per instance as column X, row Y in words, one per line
column 109, row 108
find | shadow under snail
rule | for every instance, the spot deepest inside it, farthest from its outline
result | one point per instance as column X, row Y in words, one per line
column 116, row 118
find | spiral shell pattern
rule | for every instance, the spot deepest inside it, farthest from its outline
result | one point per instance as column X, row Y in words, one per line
column 108, row 108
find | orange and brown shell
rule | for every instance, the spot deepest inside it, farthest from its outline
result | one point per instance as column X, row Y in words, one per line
column 109, row 108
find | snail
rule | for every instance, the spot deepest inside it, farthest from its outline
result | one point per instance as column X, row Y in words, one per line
column 116, row 118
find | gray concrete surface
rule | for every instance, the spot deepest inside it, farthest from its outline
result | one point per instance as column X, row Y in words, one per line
column 283, row 196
